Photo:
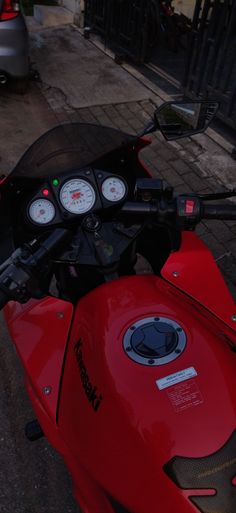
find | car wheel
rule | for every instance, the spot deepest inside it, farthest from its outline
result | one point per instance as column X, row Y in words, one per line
column 19, row 85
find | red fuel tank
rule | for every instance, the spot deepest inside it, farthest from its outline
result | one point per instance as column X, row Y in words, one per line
column 148, row 403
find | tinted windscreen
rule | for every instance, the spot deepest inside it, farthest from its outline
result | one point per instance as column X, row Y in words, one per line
column 69, row 146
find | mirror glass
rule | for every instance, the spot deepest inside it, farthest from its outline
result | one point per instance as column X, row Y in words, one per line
column 182, row 119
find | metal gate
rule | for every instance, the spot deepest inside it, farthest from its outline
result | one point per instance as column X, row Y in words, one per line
column 211, row 60
column 129, row 26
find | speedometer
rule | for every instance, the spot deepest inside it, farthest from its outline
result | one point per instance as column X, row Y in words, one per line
column 42, row 211
column 77, row 196
column 113, row 189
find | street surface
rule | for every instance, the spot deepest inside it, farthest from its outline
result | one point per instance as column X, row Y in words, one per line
column 79, row 83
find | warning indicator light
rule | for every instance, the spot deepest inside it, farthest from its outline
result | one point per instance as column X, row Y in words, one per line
column 45, row 192
column 55, row 182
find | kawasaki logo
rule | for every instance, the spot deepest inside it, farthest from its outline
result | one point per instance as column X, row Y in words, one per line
column 93, row 397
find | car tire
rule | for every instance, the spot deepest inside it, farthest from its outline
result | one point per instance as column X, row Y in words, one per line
column 19, row 85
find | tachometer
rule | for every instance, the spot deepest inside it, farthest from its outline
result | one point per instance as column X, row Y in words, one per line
column 77, row 196
column 42, row 211
column 113, row 189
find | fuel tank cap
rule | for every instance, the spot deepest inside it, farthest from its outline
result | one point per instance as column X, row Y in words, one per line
column 154, row 341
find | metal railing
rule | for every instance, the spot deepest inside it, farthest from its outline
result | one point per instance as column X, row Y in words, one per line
column 211, row 60
column 129, row 26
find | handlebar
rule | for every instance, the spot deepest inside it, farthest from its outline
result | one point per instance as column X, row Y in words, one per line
column 139, row 208
column 17, row 274
column 190, row 209
column 56, row 237
column 222, row 212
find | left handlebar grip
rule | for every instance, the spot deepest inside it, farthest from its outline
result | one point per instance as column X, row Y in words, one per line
column 54, row 239
column 138, row 207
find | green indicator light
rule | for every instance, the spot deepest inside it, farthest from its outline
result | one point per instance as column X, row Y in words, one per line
column 55, row 182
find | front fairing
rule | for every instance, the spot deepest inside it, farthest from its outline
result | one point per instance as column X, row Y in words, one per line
column 194, row 271
column 68, row 147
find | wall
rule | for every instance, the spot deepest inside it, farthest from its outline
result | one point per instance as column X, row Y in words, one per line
column 185, row 6
column 77, row 7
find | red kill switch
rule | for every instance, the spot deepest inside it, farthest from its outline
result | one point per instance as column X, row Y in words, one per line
column 189, row 206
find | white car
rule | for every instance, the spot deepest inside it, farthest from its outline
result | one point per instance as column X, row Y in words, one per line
column 14, row 46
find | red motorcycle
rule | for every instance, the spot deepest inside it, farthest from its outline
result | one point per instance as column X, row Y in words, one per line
column 131, row 376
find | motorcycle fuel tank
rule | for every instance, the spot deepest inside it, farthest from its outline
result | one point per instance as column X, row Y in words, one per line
column 148, row 404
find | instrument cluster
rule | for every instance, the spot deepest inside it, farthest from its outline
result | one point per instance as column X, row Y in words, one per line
column 78, row 194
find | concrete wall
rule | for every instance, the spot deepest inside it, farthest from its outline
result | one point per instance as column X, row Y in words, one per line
column 77, row 7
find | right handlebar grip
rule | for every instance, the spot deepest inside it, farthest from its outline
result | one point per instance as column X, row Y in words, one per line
column 219, row 211
column 3, row 299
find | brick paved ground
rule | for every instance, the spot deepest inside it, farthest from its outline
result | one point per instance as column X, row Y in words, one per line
column 176, row 162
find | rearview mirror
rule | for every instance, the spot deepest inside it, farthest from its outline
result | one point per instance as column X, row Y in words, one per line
column 182, row 119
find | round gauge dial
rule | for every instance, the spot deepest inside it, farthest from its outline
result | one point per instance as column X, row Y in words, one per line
column 77, row 196
column 113, row 189
column 42, row 211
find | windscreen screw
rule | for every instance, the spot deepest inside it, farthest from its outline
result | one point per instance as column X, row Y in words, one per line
column 60, row 315
column 175, row 274
column 47, row 390
column 151, row 362
column 233, row 318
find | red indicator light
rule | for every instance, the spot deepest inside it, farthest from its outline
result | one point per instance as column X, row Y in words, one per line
column 45, row 192
column 189, row 206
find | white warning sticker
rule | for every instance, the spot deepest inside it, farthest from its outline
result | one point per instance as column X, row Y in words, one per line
column 173, row 379
column 184, row 395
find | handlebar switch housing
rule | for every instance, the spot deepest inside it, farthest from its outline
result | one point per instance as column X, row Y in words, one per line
column 14, row 283
column 150, row 188
column 188, row 211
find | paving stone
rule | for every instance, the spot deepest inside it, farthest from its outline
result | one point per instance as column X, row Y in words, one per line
column 149, row 107
column 194, row 181
column 217, row 248
column 161, row 164
column 201, row 229
column 135, row 107
column 232, row 246
column 183, row 188
column 87, row 117
column 172, row 177
column 135, row 124
column 103, row 119
column 156, row 172
column 181, row 167
column 219, row 229
column 167, row 153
